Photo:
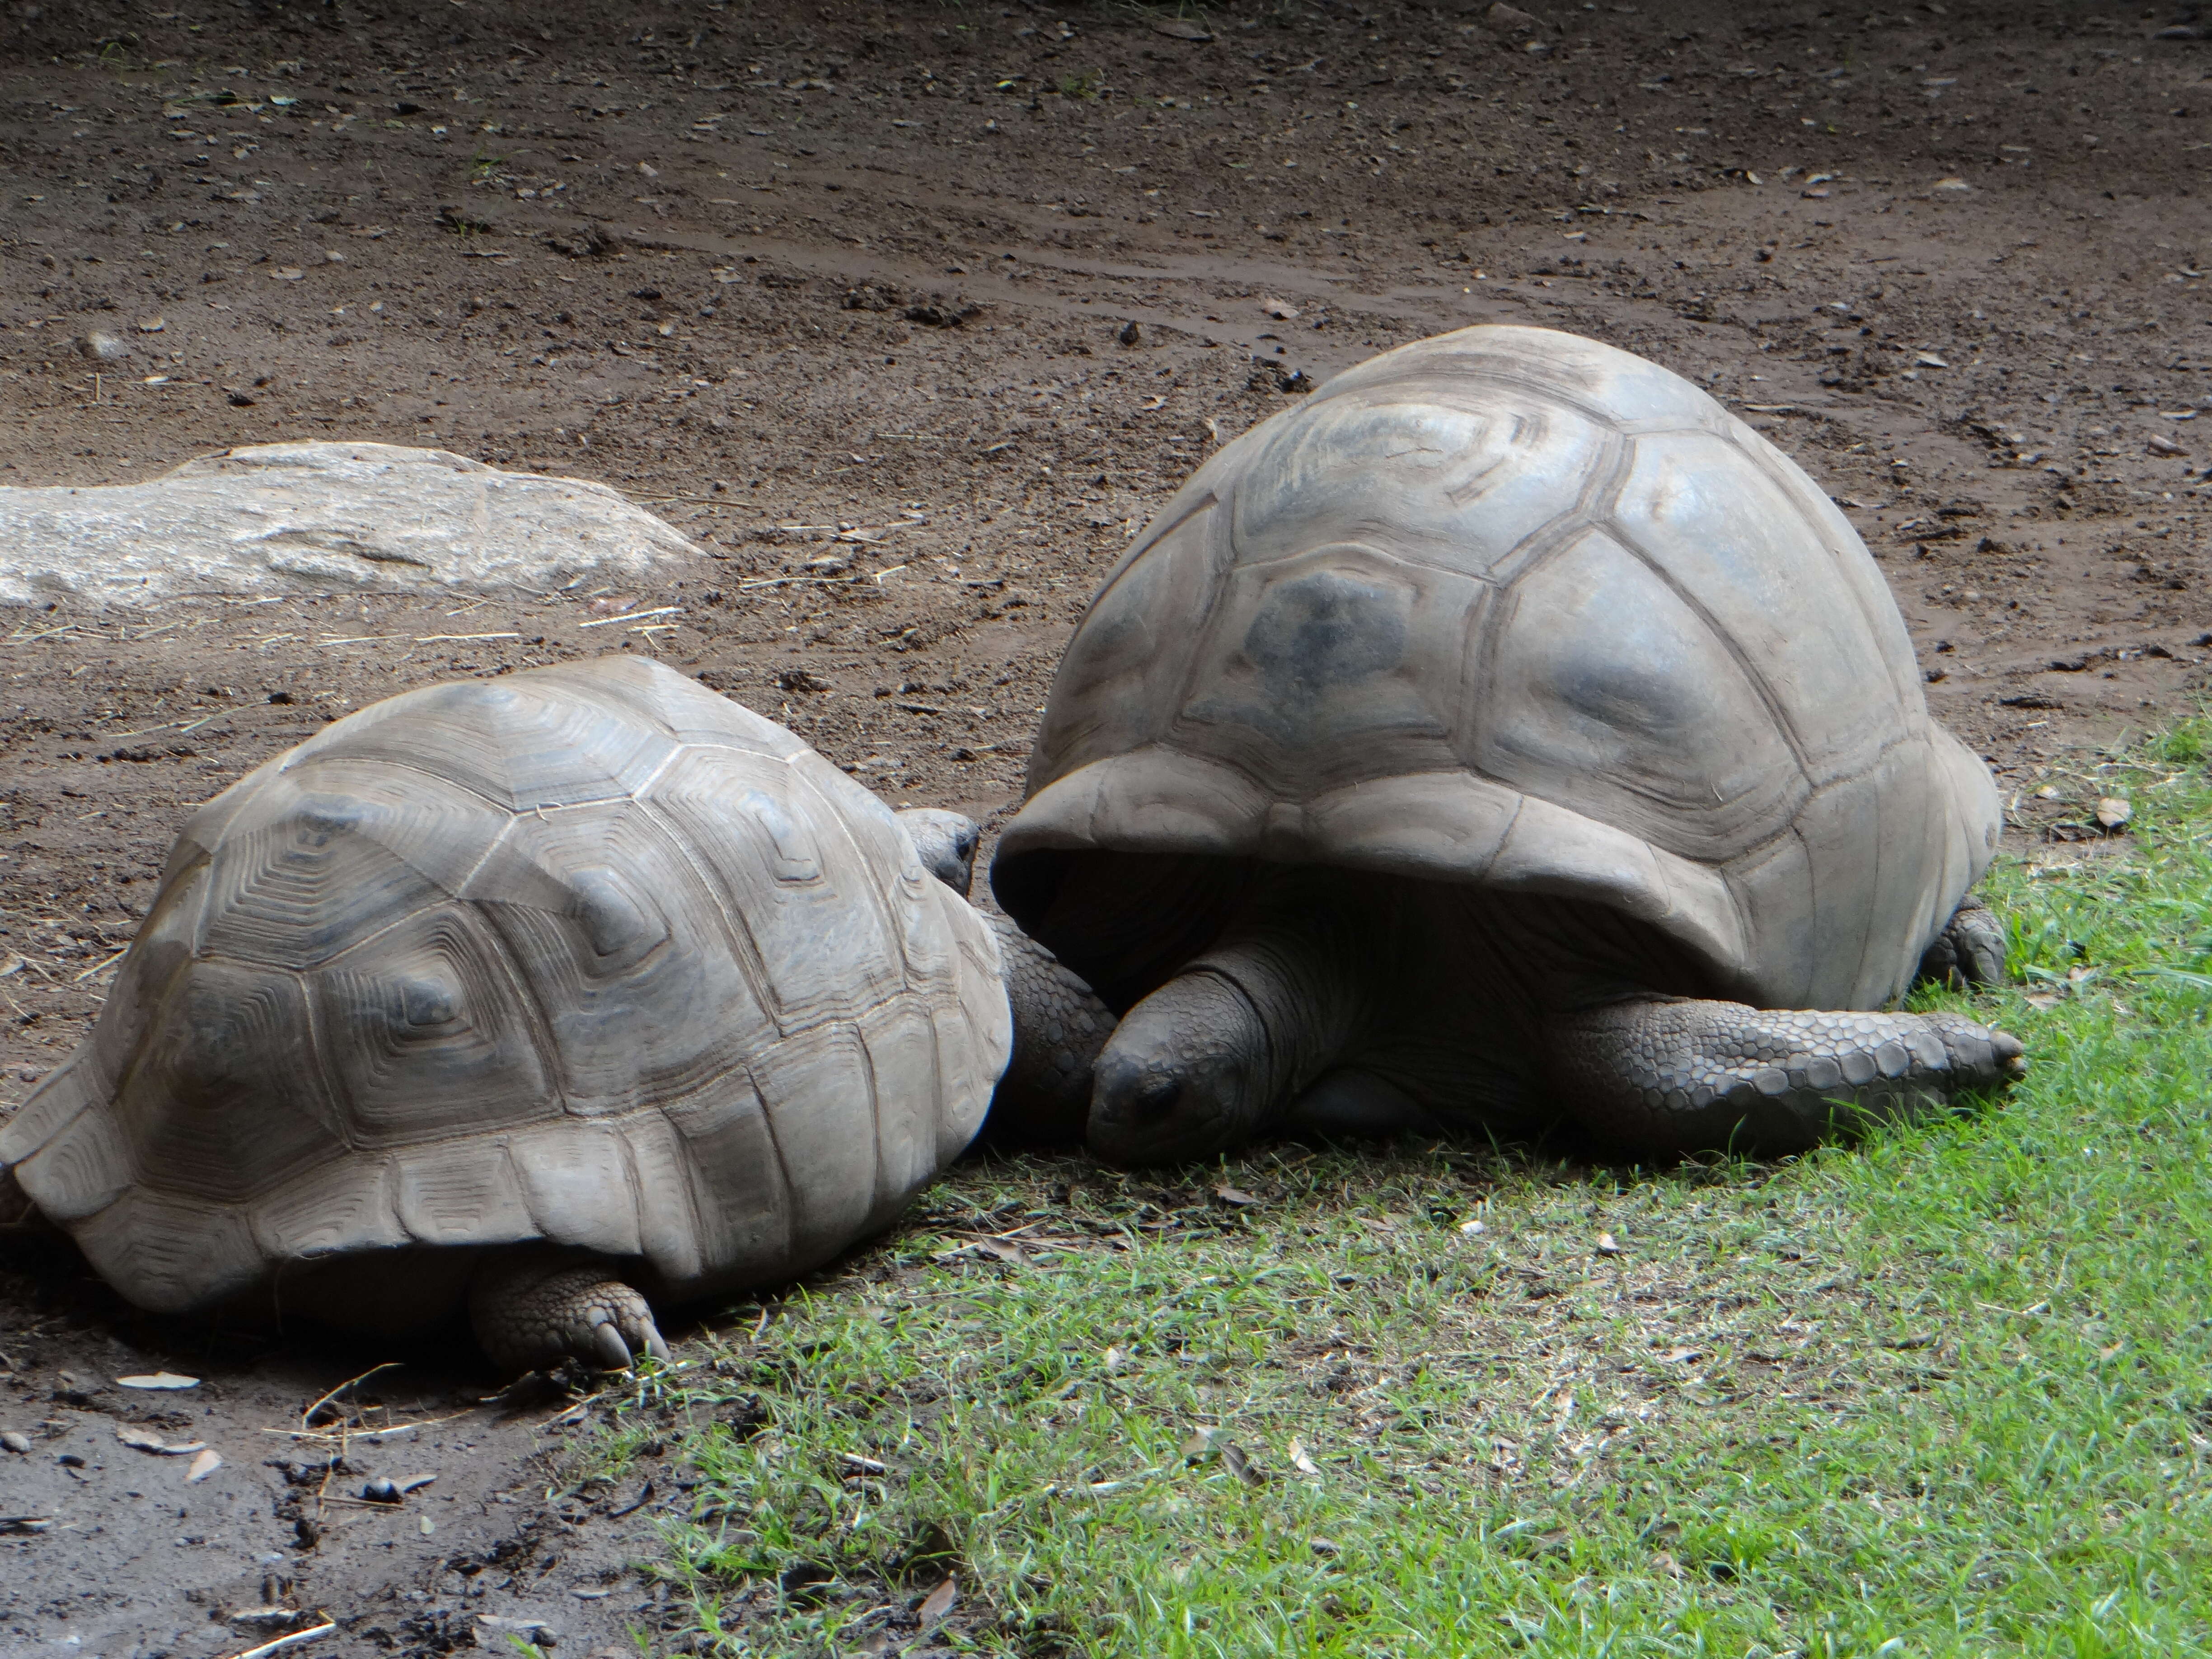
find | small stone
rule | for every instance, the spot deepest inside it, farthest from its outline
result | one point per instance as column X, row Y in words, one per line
column 2113, row 812
column 16, row 1443
column 1508, row 20
column 2161, row 445
column 1182, row 28
column 103, row 347
column 1131, row 334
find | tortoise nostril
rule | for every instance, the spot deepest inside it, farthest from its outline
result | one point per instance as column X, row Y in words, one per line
column 1156, row 1097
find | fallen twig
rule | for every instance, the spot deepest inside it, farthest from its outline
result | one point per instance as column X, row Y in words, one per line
column 108, row 961
column 633, row 616
column 294, row 1639
column 364, row 1434
column 388, row 1365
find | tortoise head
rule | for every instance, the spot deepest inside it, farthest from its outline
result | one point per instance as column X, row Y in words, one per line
column 1188, row 1075
column 945, row 841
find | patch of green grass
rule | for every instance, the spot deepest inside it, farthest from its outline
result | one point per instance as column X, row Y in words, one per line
column 1945, row 1391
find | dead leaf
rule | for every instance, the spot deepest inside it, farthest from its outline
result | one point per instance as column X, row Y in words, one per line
column 2113, row 812
column 1201, row 1444
column 1951, row 183
column 1182, row 28
column 1010, row 1254
column 1237, row 1195
column 1238, row 1463
column 1607, row 1244
column 1302, row 1461
column 1929, row 360
column 939, row 1602
column 204, row 1465
column 1281, row 310
column 158, row 1380
column 2041, row 999
column 139, row 1440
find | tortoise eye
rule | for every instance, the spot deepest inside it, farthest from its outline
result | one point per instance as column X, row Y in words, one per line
column 1155, row 1098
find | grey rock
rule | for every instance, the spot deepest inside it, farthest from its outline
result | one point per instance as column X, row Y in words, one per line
column 323, row 517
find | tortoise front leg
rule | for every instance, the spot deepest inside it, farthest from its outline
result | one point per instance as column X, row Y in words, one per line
column 537, row 1304
column 1044, row 1097
column 1669, row 1074
column 1970, row 951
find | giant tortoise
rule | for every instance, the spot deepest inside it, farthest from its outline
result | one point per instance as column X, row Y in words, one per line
column 1506, row 733
column 547, row 994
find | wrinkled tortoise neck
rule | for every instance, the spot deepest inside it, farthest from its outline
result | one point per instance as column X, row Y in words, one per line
column 1307, row 950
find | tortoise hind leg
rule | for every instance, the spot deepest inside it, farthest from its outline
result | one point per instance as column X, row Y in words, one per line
column 534, row 1306
column 1671, row 1074
column 1970, row 951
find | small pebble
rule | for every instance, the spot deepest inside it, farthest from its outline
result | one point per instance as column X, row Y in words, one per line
column 103, row 347
column 16, row 1443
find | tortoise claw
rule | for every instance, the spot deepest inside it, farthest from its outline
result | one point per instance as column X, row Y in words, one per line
column 613, row 1353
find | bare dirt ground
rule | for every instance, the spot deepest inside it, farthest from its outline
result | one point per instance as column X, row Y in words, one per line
column 911, row 315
